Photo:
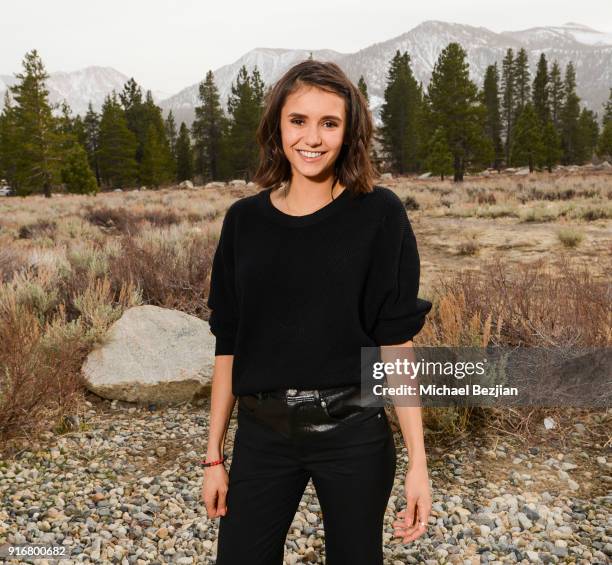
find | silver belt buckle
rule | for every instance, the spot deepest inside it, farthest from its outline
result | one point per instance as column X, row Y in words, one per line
column 292, row 392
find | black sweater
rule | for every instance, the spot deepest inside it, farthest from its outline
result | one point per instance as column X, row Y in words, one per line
column 294, row 298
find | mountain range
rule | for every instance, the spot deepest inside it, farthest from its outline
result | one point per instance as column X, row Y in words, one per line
column 590, row 51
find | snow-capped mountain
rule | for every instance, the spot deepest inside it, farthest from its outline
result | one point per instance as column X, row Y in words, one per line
column 78, row 88
column 589, row 49
column 570, row 32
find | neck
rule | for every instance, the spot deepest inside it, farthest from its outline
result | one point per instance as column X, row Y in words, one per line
column 302, row 193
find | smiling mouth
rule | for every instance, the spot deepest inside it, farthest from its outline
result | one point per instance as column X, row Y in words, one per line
column 310, row 155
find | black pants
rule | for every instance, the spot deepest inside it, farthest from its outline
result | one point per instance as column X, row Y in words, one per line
column 352, row 464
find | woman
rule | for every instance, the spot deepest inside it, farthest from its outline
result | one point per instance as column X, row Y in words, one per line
column 307, row 271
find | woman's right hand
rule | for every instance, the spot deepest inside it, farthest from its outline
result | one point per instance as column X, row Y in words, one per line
column 214, row 490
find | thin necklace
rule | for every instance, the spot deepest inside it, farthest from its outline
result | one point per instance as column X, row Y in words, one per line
column 286, row 188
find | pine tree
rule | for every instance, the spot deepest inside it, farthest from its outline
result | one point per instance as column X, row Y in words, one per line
column 37, row 163
column 551, row 146
column 135, row 114
column 557, row 95
column 157, row 167
column 508, row 80
column 91, row 125
column 245, row 105
column 399, row 115
column 140, row 114
column 527, row 146
column 65, row 127
column 184, row 155
column 117, row 147
column 78, row 128
column 8, row 142
column 523, row 81
column 570, row 114
column 76, row 173
column 455, row 107
column 586, row 136
column 258, row 87
column 151, row 170
column 363, row 87
column 607, row 113
column 439, row 159
column 490, row 99
column 208, row 129
column 541, row 91
column 604, row 146
column 171, row 135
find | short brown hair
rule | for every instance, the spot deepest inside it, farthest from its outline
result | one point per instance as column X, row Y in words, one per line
column 353, row 167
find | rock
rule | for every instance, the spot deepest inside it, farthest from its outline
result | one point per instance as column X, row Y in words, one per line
column 186, row 184
column 386, row 176
column 424, row 175
column 523, row 171
column 152, row 354
column 549, row 423
column 525, row 522
column 215, row 184
column 237, row 182
column 605, row 165
column 531, row 513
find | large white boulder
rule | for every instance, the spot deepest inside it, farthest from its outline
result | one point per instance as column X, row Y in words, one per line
column 153, row 355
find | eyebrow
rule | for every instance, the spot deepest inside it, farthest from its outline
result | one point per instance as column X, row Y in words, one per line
column 330, row 117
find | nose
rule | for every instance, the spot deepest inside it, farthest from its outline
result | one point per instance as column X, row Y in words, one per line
column 312, row 135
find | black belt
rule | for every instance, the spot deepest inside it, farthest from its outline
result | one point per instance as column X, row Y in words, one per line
column 317, row 410
column 348, row 395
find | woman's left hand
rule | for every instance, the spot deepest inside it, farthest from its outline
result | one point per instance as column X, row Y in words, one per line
column 412, row 522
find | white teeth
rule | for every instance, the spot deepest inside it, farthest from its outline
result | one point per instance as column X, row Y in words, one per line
column 310, row 154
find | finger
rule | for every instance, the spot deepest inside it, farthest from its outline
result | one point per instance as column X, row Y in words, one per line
column 211, row 506
column 423, row 513
column 221, row 505
column 420, row 526
column 413, row 528
column 409, row 516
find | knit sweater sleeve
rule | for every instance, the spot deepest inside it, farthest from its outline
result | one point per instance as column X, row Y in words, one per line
column 397, row 312
column 223, row 319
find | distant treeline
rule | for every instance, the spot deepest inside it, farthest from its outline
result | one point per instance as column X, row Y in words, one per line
column 449, row 128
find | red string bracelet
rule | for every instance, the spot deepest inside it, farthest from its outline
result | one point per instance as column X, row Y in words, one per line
column 211, row 463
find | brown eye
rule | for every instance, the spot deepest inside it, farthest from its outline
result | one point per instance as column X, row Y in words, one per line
column 296, row 120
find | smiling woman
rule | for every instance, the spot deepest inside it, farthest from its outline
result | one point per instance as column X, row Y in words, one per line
column 303, row 278
column 316, row 126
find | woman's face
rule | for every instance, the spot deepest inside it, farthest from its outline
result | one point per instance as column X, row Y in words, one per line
column 312, row 127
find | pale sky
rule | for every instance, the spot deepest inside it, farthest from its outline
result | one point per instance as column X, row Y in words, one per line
column 168, row 45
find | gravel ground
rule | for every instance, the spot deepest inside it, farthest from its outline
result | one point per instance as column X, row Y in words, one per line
column 125, row 489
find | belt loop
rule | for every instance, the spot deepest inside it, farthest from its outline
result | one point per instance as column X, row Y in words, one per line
column 259, row 396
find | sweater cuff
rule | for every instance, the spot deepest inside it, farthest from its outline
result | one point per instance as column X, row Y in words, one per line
column 224, row 346
column 402, row 329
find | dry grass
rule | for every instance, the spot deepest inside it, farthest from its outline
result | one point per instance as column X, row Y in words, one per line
column 69, row 267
